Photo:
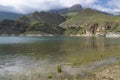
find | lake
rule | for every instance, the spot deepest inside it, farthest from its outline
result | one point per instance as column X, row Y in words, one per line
column 23, row 53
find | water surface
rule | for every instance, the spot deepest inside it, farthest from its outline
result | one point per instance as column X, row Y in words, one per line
column 20, row 53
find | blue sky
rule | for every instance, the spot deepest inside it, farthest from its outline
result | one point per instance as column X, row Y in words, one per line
column 27, row 6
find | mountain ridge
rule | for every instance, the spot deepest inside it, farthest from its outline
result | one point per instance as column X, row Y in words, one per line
column 74, row 8
column 76, row 21
column 9, row 15
column 44, row 17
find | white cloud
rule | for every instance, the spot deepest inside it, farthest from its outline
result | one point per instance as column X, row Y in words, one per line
column 114, row 3
column 26, row 6
column 110, row 6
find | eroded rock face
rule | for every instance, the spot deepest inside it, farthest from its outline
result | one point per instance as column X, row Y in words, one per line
column 98, row 29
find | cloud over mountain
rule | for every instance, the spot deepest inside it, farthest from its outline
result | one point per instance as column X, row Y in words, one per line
column 26, row 6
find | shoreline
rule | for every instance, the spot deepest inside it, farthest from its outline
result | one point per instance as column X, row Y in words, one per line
column 111, row 72
column 108, row 35
column 92, row 71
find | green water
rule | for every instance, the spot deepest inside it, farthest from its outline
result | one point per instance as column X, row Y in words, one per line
column 17, row 53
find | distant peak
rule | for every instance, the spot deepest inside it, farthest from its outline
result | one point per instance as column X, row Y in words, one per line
column 76, row 6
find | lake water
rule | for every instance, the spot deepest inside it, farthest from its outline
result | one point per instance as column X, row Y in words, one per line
column 20, row 53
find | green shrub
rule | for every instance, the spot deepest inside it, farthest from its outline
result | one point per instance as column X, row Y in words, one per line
column 59, row 69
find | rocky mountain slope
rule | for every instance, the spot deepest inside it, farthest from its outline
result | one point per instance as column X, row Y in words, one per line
column 44, row 17
column 90, row 21
column 75, row 8
column 69, row 21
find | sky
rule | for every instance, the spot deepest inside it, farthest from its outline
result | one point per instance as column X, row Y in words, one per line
column 28, row 6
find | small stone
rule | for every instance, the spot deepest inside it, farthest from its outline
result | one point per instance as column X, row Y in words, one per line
column 108, row 70
column 66, row 79
column 110, row 78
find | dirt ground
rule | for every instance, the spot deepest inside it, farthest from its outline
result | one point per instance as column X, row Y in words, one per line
column 109, row 73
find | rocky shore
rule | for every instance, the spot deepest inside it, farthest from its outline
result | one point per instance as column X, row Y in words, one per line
column 108, row 73
column 99, row 70
column 107, row 35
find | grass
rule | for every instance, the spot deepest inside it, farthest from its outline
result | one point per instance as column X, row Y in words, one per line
column 70, row 15
column 92, row 57
column 59, row 69
column 86, row 17
column 49, row 76
column 44, row 17
column 89, row 15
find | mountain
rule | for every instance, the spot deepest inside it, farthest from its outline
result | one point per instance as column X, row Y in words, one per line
column 21, row 27
column 13, row 27
column 89, row 15
column 74, row 21
column 35, row 23
column 117, row 13
column 43, row 23
column 44, row 17
column 75, row 8
column 91, row 20
column 9, row 15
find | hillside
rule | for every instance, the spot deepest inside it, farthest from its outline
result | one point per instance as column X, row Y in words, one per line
column 20, row 27
column 35, row 23
column 91, row 20
column 9, row 15
column 78, row 21
column 89, row 15
column 44, row 17
column 43, row 23
column 13, row 27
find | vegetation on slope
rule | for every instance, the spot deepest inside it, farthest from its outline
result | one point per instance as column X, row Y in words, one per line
column 40, row 23
column 89, row 15
column 75, row 21
column 12, row 27
column 44, row 17
column 20, row 27
column 87, row 18
column 44, row 28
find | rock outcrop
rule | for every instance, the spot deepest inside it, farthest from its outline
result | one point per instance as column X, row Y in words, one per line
column 101, row 30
